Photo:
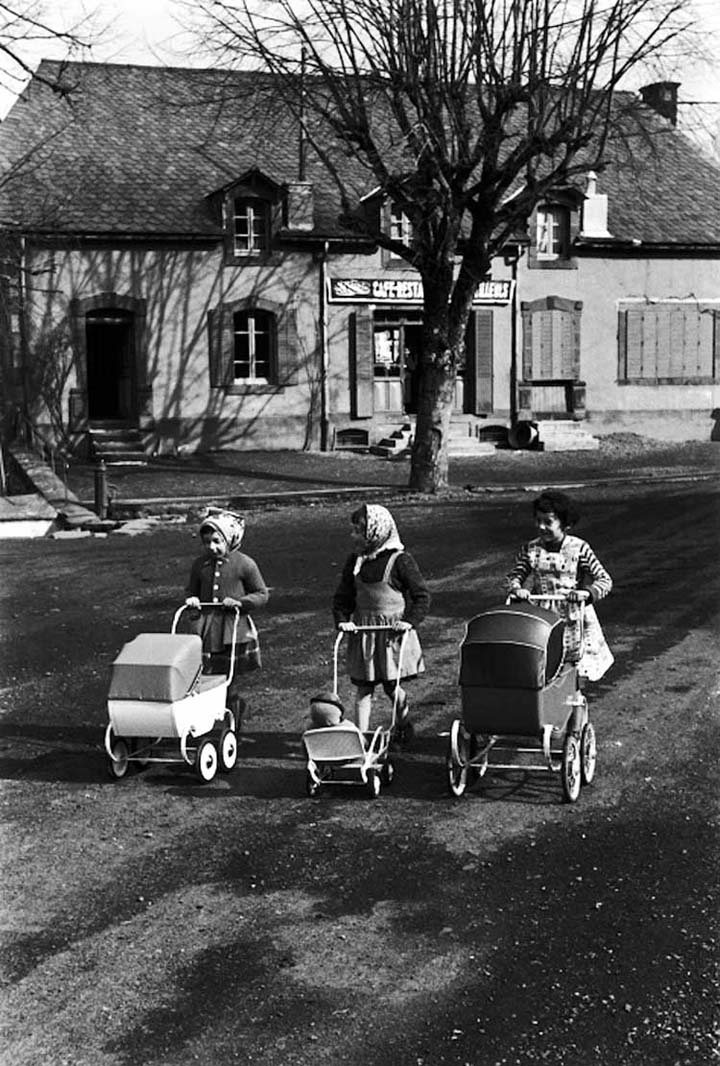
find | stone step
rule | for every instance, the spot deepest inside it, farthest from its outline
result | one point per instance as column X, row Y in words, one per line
column 566, row 436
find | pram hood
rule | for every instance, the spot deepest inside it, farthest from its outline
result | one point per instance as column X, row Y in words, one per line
column 517, row 645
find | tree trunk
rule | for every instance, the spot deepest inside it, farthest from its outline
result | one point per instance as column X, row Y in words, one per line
column 429, row 464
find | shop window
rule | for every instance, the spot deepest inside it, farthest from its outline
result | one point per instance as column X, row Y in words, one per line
column 668, row 343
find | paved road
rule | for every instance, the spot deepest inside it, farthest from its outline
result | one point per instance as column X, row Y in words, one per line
column 163, row 922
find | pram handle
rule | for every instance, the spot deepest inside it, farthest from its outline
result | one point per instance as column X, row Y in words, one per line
column 538, row 597
column 217, row 607
column 370, row 629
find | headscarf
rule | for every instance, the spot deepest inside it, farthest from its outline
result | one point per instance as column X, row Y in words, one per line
column 231, row 527
column 381, row 534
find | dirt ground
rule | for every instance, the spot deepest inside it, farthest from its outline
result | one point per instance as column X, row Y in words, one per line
column 158, row 920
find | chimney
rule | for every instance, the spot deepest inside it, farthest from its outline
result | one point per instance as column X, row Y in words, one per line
column 662, row 96
column 299, row 205
column 594, row 211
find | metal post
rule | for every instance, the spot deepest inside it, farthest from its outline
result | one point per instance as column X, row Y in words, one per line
column 101, row 489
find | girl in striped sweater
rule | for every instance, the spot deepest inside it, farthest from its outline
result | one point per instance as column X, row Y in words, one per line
column 557, row 562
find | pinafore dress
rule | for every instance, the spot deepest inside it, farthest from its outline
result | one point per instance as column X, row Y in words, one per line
column 556, row 572
column 374, row 656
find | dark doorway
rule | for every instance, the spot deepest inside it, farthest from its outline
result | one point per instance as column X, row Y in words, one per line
column 397, row 348
column 110, row 338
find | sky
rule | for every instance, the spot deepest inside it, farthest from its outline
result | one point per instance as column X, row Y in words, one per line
column 147, row 32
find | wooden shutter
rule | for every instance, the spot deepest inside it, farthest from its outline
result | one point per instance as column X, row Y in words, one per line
column 361, row 363
column 290, row 358
column 220, row 346
column 483, row 347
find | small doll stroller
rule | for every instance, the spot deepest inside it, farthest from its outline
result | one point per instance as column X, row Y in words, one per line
column 340, row 753
column 516, row 686
column 163, row 709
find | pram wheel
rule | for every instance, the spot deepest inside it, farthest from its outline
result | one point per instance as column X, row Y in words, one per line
column 571, row 768
column 588, row 753
column 387, row 772
column 206, row 760
column 312, row 787
column 118, row 763
column 227, row 750
column 457, row 758
column 373, row 784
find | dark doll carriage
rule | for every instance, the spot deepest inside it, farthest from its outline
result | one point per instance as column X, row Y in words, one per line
column 517, row 691
column 344, row 755
column 163, row 709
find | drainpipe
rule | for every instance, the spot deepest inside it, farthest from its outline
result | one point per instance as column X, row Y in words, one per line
column 324, row 389
column 23, row 330
column 513, row 343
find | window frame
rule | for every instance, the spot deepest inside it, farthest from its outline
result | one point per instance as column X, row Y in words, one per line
column 559, row 232
column 257, row 240
column 252, row 315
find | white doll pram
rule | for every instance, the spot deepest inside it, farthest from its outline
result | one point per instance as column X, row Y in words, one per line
column 163, row 709
column 344, row 755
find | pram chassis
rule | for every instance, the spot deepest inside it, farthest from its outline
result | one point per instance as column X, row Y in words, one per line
column 567, row 740
column 342, row 754
column 198, row 730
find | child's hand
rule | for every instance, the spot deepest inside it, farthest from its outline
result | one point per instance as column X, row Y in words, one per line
column 347, row 627
column 230, row 602
column 402, row 626
column 520, row 594
column 193, row 601
column 578, row 596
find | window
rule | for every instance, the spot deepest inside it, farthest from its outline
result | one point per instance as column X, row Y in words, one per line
column 251, row 226
column 551, row 339
column 552, row 232
column 668, row 343
column 253, row 338
column 253, row 346
column 400, row 227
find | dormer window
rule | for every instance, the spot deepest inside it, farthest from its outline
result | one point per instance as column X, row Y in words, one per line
column 250, row 226
column 552, row 232
column 400, row 225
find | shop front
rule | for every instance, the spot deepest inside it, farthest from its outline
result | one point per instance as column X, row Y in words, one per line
column 386, row 341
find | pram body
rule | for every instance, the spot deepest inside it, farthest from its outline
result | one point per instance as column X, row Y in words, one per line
column 343, row 754
column 163, row 709
column 520, row 697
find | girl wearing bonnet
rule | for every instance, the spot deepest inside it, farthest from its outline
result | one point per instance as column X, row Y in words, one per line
column 228, row 577
column 380, row 585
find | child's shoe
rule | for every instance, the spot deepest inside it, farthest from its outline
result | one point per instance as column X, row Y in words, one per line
column 404, row 729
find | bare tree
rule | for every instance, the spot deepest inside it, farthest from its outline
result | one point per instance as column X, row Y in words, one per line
column 465, row 113
column 27, row 29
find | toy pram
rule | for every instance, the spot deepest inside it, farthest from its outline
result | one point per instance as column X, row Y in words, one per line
column 344, row 755
column 163, row 709
column 515, row 685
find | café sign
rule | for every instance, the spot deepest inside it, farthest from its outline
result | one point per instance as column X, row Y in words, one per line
column 404, row 291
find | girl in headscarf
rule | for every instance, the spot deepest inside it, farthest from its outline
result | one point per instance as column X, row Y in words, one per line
column 226, row 576
column 380, row 585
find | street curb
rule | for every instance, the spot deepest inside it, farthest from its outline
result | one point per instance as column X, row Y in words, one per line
column 126, row 510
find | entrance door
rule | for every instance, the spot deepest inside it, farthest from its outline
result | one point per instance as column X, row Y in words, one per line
column 397, row 337
column 110, row 364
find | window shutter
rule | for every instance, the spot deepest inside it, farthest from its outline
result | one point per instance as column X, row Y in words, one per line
column 220, row 346
column 288, row 354
column 622, row 346
column 362, row 366
column 483, row 361
column 527, row 342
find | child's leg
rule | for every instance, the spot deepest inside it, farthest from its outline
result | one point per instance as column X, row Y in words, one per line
column 402, row 704
column 363, row 704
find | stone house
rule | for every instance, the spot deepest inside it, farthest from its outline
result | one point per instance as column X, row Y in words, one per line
column 173, row 268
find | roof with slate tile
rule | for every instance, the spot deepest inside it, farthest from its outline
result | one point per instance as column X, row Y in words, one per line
column 138, row 151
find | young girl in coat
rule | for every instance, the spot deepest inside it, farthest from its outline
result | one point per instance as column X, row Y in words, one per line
column 226, row 576
column 380, row 585
column 558, row 562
